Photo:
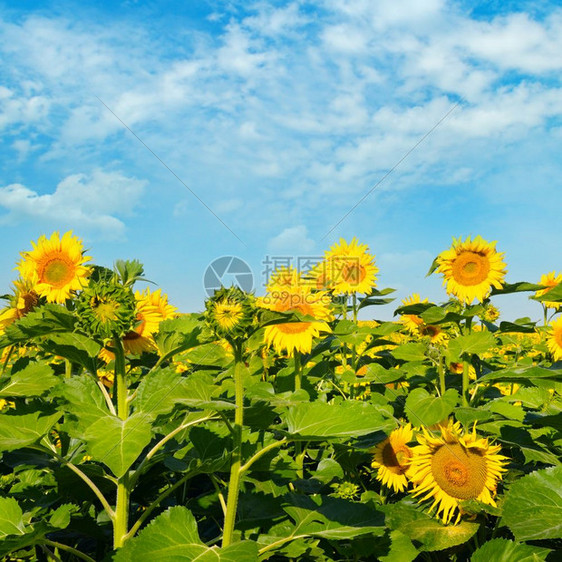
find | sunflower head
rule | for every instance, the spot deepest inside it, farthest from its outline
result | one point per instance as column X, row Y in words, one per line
column 230, row 313
column 491, row 313
column 55, row 266
column 392, row 458
column 453, row 467
column 550, row 280
column 347, row 268
column 470, row 269
column 23, row 301
column 554, row 339
column 106, row 309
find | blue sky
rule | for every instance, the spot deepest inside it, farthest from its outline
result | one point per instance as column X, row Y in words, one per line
column 280, row 116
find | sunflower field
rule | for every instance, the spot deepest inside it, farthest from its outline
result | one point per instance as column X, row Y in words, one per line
column 278, row 427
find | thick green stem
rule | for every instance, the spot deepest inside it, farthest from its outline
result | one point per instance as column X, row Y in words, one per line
column 298, row 371
column 465, row 382
column 441, row 371
column 121, row 522
column 67, row 368
column 235, row 466
column 7, row 360
column 73, row 551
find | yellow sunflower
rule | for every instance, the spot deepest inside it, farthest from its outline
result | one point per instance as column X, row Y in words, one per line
column 24, row 300
column 55, row 266
column 392, row 458
column 471, row 268
column 412, row 321
column 295, row 296
column 554, row 341
column 550, row 280
column 453, row 467
column 435, row 334
column 346, row 269
column 151, row 309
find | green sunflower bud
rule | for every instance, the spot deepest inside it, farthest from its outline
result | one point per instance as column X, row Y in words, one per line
column 230, row 313
column 106, row 309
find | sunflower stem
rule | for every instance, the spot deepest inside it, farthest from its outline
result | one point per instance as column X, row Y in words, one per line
column 441, row 370
column 236, row 462
column 298, row 370
column 7, row 360
column 121, row 521
column 465, row 382
column 67, row 368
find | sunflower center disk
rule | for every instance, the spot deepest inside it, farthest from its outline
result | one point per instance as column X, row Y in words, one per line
column 396, row 459
column 228, row 315
column 353, row 273
column 459, row 472
column 57, row 272
column 471, row 268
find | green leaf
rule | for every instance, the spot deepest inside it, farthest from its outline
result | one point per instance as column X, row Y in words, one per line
column 477, row 342
column 118, row 443
column 504, row 550
column 332, row 518
column 401, row 549
column 33, row 380
column 84, row 400
column 520, row 287
column 60, row 519
column 420, row 528
column 74, row 347
column 11, row 518
column 554, row 294
column 348, row 419
column 410, row 352
column 178, row 334
column 533, row 506
column 424, row 409
column 173, row 536
column 17, row 431
column 211, row 354
column 48, row 319
column 517, row 374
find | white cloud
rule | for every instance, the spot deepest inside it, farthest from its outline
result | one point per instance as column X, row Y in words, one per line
column 91, row 202
column 293, row 241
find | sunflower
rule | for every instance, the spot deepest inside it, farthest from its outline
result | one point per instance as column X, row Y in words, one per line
column 295, row 296
column 230, row 312
column 23, row 301
column 151, row 309
column 346, row 269
column 554, row 341
column 435, row 334
column 471, row 268
column 412, row 321
column 453, row 467
column 550, row 280
column 392, row 458
column 105, row 309
column 55, row 266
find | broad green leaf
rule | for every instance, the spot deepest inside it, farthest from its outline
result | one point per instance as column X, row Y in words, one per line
column 427, row 531
column 518, row 373
column 379, row 375
column 60, row 519
column 327, row 470
column 178, row 334
column 48, row 319
column 554, row 294
column 118, row 443
column 477, row 342
column 401, row 549
column 212, row 354
column 33, row 380
column 410, row 352
column 74, row 347
column 332, row 518
column 11, row 518
column 504, row 550
column 467, row 416
column 17, row 431
column 84, row 400
column 519, row 287
column 348, row 419
column 423, row 408
column 533, row 506
column 173, row 536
